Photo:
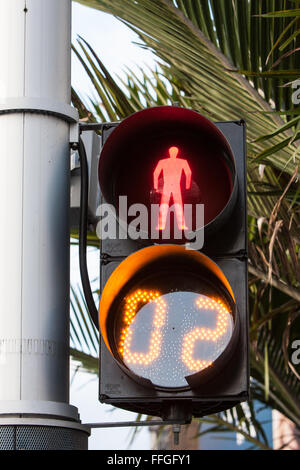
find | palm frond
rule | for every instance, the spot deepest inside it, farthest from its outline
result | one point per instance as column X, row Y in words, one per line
column 240, row 420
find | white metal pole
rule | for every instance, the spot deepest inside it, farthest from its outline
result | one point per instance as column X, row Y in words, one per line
column 35, row 116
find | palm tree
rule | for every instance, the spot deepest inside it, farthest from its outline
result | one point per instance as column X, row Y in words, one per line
column 230, row 59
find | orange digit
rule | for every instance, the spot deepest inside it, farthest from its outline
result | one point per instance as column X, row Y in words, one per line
column 132, row 303
column 204, row 334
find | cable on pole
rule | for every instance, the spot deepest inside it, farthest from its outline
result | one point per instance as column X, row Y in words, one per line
column 83, row 225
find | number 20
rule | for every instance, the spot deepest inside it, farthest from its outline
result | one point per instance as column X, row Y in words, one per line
column 159, row 319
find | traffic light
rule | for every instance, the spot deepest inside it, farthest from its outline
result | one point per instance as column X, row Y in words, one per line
column 173, row 311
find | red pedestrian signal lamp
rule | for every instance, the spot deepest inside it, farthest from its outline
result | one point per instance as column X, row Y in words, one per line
column 171, row 169
column 174, row 320
column 138, row 163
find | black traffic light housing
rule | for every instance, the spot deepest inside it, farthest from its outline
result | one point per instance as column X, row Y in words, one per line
column 226, row 246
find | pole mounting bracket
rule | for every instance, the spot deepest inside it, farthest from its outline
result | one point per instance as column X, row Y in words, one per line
column 58, row 109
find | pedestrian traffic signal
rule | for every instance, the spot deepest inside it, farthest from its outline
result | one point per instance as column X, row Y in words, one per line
column 174, row 320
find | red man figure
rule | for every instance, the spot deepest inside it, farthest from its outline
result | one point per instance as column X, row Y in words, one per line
column 172, row 169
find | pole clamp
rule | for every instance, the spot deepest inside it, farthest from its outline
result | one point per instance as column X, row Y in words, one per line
column 44, row 106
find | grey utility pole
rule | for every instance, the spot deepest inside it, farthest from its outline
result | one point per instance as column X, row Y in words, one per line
column 35, row 122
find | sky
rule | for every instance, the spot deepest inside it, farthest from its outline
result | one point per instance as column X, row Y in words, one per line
column 112, row 41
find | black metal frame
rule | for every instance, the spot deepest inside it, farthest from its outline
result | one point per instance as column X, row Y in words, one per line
column 232, row 385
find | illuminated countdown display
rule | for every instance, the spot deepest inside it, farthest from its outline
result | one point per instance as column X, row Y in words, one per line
column 168, row 337
column 170, row 325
